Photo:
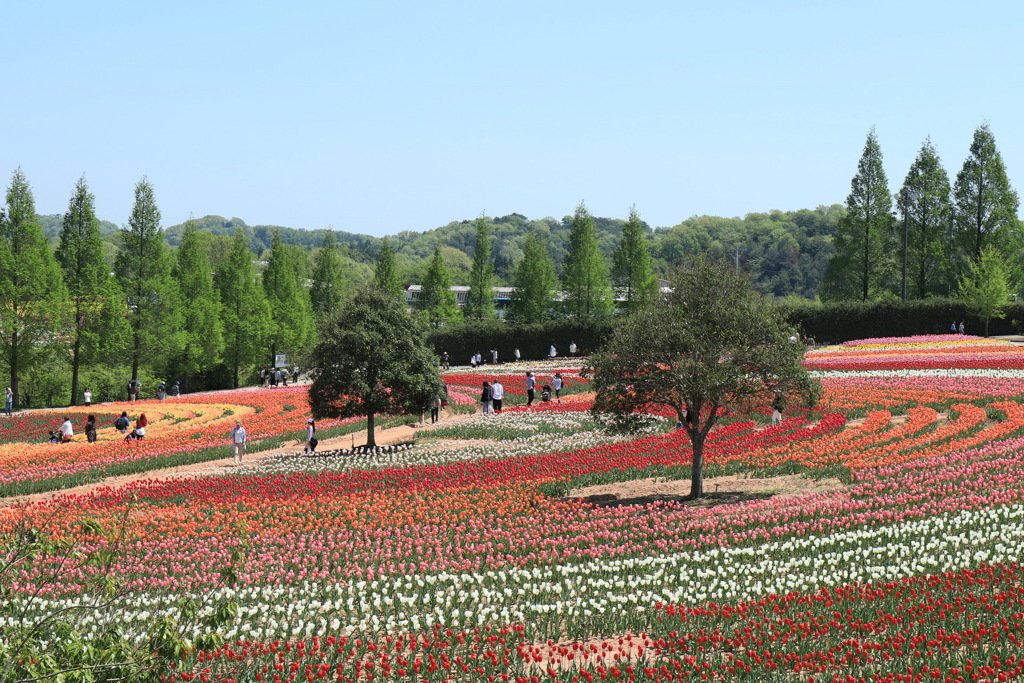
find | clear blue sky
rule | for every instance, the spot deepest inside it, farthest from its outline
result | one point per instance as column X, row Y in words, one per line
column 376, row 117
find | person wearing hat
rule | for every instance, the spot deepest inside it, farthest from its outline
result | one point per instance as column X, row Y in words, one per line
column 311, row 440
column 238, row 438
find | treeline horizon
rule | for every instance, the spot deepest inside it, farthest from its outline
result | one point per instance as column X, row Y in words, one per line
column 785, row 253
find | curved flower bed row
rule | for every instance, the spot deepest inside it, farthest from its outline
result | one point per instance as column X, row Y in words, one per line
column 431, row 566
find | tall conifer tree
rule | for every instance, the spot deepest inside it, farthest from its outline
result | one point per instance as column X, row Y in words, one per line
column 534, row 282
column 385, row 274
column 202, row 326
column 96, row 322
column 143, row 270
column 437, row 299
column 31, row 287
column 291, row 311
column 246, row 313
column 328, row 278
column 924, row 208
column 984, row 204
column 480, row 298
column 588, row 291
column 863, row 265
column 631, row 268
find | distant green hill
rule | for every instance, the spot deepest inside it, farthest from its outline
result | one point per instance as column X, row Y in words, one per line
column 785, row 252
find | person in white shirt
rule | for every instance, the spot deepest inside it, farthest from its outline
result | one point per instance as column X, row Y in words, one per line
column 311, row 440
column 66, row 432
column 572, row 348
column 88, row 398
column 556, row 384
column 497, row 394
column 551, row 352
column 238, row 438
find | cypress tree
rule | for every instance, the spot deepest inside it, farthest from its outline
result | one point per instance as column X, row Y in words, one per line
column 385, row 274
column 328, row 278
column 437, row 299
column 32, row 290
column 202, row 326
column 143, row 269
column 984, row 203
column 291, row 311
column 480, row 298
column 246, row 312
column 89, row 327
column 534, row 282
column 863, row 265
column 588, row 291
column 924, row 207
column 631, row 269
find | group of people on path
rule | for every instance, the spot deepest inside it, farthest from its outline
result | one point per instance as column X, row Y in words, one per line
column 66, row 432
column 135, row 391
column 278, row 376
column 492, row 395
column 240, row 439
column 476, row 360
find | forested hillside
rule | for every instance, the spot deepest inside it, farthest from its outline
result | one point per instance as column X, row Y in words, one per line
column 785, row 252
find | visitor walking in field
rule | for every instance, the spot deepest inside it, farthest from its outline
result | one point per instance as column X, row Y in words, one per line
column 8, row 401
column 530, row 384
column 311, row 440
column 486, row 398
column 238, row 439
column 90, row 429
column 497, row 395
column 556, row 383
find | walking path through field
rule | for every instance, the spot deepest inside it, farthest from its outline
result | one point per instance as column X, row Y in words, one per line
column 383, row 437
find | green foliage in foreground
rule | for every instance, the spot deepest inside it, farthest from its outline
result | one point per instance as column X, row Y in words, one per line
column 51, row 645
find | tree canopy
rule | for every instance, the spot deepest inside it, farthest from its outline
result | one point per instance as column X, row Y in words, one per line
column 710, row 347
column 863, row 265
column 372, row 359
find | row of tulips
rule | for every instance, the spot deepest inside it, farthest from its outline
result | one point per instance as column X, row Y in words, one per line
column 462, row 554
column 963, row 625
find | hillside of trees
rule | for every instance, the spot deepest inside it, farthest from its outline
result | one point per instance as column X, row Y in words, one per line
column 785, row 252
column 85, row 303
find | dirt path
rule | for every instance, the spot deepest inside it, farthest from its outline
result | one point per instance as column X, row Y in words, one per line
column 383, row 437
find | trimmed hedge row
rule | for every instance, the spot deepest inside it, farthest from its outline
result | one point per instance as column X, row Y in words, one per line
column 842, row 321
column 826, row 323
column 464, row 339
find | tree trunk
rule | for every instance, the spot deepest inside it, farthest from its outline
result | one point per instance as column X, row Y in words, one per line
column 14, row 371
column 370, row 441
column 75, row 361
column 136, row 343
column 697, row 473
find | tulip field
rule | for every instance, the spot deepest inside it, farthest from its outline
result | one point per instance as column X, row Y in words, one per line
column 465, row 557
